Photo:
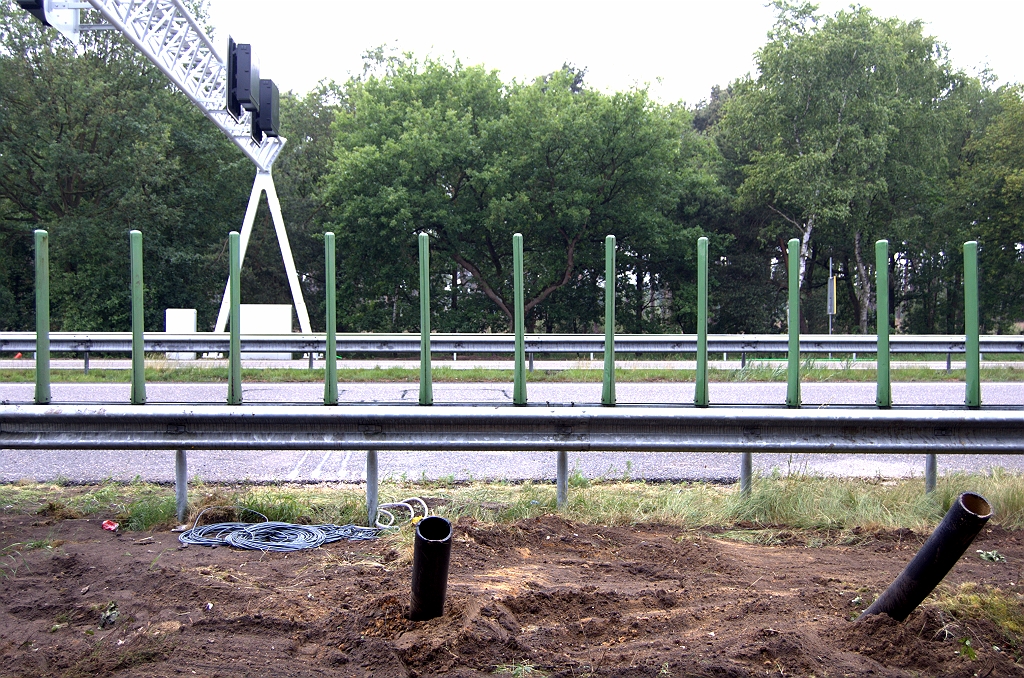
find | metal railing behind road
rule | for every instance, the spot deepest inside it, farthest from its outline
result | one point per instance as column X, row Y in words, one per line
column 210, row 342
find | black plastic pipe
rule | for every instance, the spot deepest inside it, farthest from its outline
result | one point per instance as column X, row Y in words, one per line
column 431, row 553
column 947, row 543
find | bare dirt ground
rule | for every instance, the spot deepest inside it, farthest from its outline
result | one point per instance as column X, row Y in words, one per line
column 540, row 597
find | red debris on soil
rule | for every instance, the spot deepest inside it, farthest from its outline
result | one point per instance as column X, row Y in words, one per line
column 540, row 597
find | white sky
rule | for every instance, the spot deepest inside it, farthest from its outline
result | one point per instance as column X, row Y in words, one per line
column 681, row 48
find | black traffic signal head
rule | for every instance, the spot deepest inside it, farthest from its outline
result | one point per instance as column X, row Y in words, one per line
column 265, row 121
column 243, row 79
column 35, row 8
column 270, row 104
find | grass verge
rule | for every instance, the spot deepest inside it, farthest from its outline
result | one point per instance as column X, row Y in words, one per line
column 793, row 502
column 751, row 373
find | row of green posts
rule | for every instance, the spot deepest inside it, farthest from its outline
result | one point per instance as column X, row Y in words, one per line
column 701, row 397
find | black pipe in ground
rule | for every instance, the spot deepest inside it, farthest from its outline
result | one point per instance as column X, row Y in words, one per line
column 947, row 543
column 431, row 553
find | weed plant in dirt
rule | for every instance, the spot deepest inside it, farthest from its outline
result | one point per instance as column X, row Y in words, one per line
column 629, row 579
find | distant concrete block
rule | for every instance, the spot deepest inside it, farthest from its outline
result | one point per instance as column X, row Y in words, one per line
column 265, row 319
column 180, row 321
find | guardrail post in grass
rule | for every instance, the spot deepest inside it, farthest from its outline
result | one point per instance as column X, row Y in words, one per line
column 561, row 478
column 331, row 357
column 746, row 473
column 181, row 485
column 700, row 394
column 608, row 391
column 519, row 375
column 42, row 317
column 426, row 385
column 883, row 397
column 931, row 463
column 138, row 395
column 371, row 488
column 972, row 349
column 235, row 320
column 793, row 322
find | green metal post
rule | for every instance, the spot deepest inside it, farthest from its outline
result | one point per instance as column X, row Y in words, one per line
column 793, row 322
column 608, row 392
column 883, row 397
column 42, row 318
column 138, row 395
column 235, row 320
column 972, row 331
column 331, row 354
column 426, row 384
column 519, row 376
column 700, row 395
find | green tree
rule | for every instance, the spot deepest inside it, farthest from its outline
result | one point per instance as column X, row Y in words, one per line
column 842, row 137
column 454, row 152
column 990, row 193
column 93, row 143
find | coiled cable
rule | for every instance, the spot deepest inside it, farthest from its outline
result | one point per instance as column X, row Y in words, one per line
column 272, row 535
column 406, row 505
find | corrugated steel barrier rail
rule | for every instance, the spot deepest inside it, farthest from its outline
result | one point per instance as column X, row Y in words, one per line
column 508, row 428
column 160, row 342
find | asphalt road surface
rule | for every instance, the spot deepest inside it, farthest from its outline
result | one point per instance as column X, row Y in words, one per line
column 321, row 466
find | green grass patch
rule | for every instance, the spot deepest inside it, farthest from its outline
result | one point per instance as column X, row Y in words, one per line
column 777, row 503
column 972, row 601
column 753, row 372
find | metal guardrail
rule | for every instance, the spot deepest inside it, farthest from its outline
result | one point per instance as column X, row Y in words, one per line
column 160, row 342
column 560, row 429
column 508, row 428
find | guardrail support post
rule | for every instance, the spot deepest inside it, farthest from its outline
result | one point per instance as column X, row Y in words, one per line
column 562, row 479
column 700, row 394
column 883, row 397
column 42, row 243
column 235, row 319
column 610, row 278
column 426, row 385
column 793, row 322
column 85, row 363
column 519, row 375
column 371, row 488
column 972, row 340
column 746, row 473
column 931, row 463
column 138, row 395
column 331, row 356
column 181, row 485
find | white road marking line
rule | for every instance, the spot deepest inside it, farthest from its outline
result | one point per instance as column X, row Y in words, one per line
column 344, row 463
column 316, row 472
column 294, row 473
